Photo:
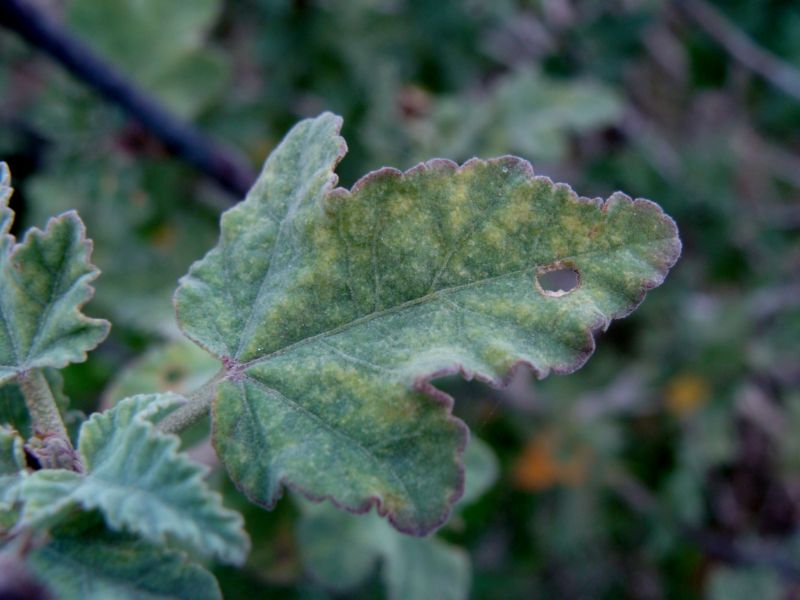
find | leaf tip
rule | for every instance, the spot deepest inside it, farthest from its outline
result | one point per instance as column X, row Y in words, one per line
column 5, row 177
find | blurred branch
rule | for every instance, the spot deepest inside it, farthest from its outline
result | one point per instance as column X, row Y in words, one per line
column 777, row 71
column 217, row 162
column 753, row 147
column 720, row 547
column 655, row 147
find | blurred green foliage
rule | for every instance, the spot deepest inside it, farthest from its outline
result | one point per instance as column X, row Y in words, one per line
column 669, row 466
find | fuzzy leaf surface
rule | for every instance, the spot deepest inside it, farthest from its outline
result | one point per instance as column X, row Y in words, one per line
column 14, row 412
column 333, row 309
column 44, row 282
column 140, row 482
column 95, row 564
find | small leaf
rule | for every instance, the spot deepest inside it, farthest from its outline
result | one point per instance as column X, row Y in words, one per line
column 12, row 465
column 44, row 282
column 413, row 567
column 525, row 112
column 333, row 310
column 141, row 483
column 340, row 551
column 99, row 565
column 481, row 470
column 12, row 458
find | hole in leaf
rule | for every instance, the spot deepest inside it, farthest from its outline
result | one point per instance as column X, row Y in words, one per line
column 557, row 280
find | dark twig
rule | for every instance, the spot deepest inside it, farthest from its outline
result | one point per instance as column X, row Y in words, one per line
column 218, row 162
column 777, row 71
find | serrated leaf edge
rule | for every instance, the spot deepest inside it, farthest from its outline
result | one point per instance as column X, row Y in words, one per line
column 141, row 418
column 423, row 383
column 83, row 283
column 201, row 471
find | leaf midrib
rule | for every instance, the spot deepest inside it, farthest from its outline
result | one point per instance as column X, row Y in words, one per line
column 291, row 211
column 430, row 297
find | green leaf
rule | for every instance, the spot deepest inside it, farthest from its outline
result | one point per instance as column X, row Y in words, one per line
column 12, row 459
column 12, row 467
column 526, row 113
column 140, row 482
column 332, row 311
column 44, row 282
column 744, row 583
column 340, row 550
column 6, row 214
column 98, row 565
column 159, row 43
column 481, row 468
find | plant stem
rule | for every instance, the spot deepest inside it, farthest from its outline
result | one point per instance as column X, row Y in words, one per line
column 50, row 444
column 197, row 406
column 45, row 416
column 780, row 73
column 221, row 163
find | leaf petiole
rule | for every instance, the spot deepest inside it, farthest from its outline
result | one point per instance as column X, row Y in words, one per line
column 50, row 443
column 198, row 403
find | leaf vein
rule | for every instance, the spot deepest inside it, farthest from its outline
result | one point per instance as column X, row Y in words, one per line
column 429, row 297
column 336, row 432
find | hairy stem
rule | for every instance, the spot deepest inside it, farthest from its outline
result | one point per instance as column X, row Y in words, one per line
column 197, row 406
column 45, row 416
column 50, row 444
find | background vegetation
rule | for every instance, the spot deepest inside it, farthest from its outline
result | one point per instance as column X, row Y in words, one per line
column 670, row 465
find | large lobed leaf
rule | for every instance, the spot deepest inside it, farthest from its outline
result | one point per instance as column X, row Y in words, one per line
column 140, row 482
column 332, row 310
column 44, row 282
